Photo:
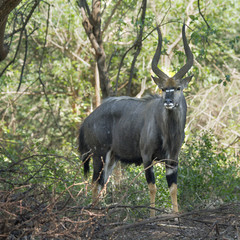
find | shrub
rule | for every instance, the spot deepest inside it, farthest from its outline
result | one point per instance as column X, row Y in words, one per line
column 208, row 174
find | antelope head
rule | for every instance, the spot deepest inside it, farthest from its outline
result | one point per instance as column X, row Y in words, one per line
column 172, row 86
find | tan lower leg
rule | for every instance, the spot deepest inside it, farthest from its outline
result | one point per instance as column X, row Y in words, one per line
column 173, row 194
column 118, row 174
column 152, row 189
column 95, row 193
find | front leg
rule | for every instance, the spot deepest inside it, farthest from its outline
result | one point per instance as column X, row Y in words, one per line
column 171, row 175
column 152, row 190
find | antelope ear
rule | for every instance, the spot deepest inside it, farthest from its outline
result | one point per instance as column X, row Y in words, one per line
column 185, row 81
column 158, row 81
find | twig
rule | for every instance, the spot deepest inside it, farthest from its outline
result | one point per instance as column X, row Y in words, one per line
column 211, row 229
column 208, row 222
column 40, row 67
column 25, row 58
column 16, row 52
column 138, row 44
column 199, row 9
column 163, row 217
column 108, row 21
column 120, row 66
column 21, row 32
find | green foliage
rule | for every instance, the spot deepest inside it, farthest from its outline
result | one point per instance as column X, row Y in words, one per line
column 34, row 164
column 208, row 174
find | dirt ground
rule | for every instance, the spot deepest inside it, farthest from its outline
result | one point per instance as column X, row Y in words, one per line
column 72, row 222
column 221, row 223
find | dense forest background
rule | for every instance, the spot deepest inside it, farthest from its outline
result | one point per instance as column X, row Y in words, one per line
column 49, row 83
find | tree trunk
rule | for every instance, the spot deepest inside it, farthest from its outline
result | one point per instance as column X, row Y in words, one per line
column 3, row 47
column 92, row 26
column 6, row 6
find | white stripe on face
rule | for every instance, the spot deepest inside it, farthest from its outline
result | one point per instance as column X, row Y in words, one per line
column 170, row 90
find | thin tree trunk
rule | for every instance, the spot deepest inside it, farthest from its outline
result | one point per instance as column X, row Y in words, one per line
column 3, row 47
column 138, row 44
column 97, row 86
column 92, row 25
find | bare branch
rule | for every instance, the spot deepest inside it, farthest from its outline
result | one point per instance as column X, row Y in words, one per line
column 108, row 21
column 199, row 9
column 40, row 67
column 16, row 52
column 138, row 44
column 25, row 58
column 120, row 66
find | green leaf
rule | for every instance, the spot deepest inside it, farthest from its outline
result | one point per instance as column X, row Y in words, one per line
column 192, row 17
column 228, row 78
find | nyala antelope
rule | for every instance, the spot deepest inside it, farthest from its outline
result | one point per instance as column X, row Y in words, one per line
column 133, row 130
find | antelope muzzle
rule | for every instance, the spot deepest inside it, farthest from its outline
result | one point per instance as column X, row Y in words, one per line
column 169, row 99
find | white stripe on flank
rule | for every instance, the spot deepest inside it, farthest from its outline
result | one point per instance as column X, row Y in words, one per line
column 108, row 166
column 170, row 171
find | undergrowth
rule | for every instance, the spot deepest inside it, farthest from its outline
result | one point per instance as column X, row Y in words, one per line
column 47, row 186
column 209, row 174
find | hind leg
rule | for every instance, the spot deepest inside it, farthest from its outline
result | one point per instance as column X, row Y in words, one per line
column 108, row 165
column 101, row 173
column 98, row 178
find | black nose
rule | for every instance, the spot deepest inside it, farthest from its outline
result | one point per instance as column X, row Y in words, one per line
column 168, row 101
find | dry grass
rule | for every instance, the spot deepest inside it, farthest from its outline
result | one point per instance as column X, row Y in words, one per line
column 217, row 109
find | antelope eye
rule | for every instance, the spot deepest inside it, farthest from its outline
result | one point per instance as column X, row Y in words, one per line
column 178, row 88
column 163, row 89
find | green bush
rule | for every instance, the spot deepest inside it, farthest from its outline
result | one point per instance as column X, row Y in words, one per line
column 208, row 173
